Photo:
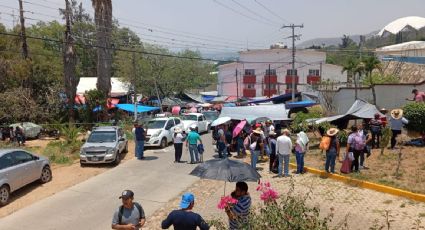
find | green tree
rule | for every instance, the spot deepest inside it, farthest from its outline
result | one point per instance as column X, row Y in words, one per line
column 370, row 64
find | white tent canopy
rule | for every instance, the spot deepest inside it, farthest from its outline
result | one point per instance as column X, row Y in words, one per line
column 274, row 112
column 402, row 24
column 118, row 87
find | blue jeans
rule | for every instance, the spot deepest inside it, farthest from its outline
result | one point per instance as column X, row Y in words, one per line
column 254, row 158
column 283, row 159
column 140, row 146
column 300, row 162
column 330, row 161
column 193, row 152
column 267, row 149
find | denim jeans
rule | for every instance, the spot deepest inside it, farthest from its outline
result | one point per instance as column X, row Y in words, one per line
column 300, row 161
column 193, row 152
column 267, row 149
column 254, row 158
column 140, row 145
column 283, row 159
column 221, row 146
column 330, row 161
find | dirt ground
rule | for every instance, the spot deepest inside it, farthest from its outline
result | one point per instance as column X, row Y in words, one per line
column 64, row 176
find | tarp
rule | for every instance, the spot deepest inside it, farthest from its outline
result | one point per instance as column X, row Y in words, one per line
column 140, row 108
column 276, row 100
column 274, row 112
column 300, row 104
column 195, row 97
column 359, row 110
column 208, row 98
column 219, row 99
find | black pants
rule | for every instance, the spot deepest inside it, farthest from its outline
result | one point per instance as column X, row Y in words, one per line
column 394, row 136
column 362, row 153
column 376, row 137
column 178, row 151
column 355, row 163
column 272, row 159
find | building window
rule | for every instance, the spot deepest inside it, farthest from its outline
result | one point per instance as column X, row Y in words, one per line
column 250, row 72
column 314, row 72
column 270, row 86
column 270, row 71
column 250, row 86
column 289, row 72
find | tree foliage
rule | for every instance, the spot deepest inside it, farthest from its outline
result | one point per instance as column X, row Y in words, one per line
column 414, row 112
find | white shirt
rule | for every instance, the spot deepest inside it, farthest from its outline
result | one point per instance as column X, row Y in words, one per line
column 283, row 145
column 178, row 138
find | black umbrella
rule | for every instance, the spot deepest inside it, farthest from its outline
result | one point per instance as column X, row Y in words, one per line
column 226, row 170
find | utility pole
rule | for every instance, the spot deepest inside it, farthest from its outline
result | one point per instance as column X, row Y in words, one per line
column 237, row 84
column 270, row 92
column 23, row 35
column 133, row 60
column 293, row 26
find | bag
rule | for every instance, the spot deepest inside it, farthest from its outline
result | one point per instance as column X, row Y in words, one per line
column 359, row 143
column 247, row 142
column 121, row 212
column 325, row 143
column 253, row 145
column 350, row 156
column 346, row 166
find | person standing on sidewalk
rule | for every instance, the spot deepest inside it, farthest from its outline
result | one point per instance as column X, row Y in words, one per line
column 185, row 218
column 139, row 136
column 396, row 122
column 192, row 142
column 283, row 151
column 333, row 152
column 178, row 140
column 300, row 150
column 130, row 215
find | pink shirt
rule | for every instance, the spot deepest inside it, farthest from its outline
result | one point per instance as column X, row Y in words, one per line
column 420, row 97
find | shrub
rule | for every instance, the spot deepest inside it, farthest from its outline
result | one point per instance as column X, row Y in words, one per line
column 414, row 112
column 70, row 133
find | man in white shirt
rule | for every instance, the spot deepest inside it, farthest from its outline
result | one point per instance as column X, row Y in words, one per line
column 283, row 151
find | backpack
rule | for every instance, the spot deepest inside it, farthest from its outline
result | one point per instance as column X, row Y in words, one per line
column 121, row 212
column 216, row 136
column 359, row 143
column 325, row 143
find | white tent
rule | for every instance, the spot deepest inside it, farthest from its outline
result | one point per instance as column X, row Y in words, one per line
column 274, row 112
column 118, row 87
column 402, row 24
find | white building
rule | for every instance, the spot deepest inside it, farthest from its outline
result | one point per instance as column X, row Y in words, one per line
column 268, row 72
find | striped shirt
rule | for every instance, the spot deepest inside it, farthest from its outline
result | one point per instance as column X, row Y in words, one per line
column 241, row 210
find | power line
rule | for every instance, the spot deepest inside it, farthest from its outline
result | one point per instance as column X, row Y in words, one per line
column 253, row 12
column 270, row 11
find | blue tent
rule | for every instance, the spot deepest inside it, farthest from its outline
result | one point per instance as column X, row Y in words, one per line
column 140, row 108
column 300, row 104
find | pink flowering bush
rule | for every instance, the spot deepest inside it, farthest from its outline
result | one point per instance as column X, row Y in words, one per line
column 268, row 194
column 226, row 201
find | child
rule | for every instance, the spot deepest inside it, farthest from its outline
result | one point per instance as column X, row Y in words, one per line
column 201, row 152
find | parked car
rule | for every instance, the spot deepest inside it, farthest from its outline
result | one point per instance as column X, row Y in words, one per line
column 105, row 144
column 210, row 116
column 19, row 168
column 195, row 119
column 160, row 130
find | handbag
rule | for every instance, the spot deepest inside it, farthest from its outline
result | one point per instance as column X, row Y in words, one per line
column 346, row 165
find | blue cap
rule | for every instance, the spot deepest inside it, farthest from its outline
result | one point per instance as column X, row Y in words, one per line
column 187, row 198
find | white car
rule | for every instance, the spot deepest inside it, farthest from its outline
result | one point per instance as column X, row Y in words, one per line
column 160, row 131
column 195, row 119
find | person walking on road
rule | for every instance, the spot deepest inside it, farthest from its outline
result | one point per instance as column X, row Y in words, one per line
column 283, row 151
column 140, row 135
column 178, row 140
column 333, row 152
column 238, row 214
column 192, row 143
column 130, row 215
column 185, row 218
column 396, row 122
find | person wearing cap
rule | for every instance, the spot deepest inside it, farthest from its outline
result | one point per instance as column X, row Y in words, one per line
column 283, row 151
column 333, row 152
column 396, row 122
column 139, row 136
column 375, row 125
column 178, row 139
column 418, row 96
column 184, row 218
column 130, row 215
column 192, row 143
column 300, row 150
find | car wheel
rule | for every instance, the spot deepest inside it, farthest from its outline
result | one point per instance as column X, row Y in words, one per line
column 4, row 195
column 82, row 165
column 117, row 159
column 126, row 148
column 163, row 142
column 46, row 175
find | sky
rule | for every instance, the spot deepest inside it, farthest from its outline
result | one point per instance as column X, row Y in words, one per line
column 231, row 25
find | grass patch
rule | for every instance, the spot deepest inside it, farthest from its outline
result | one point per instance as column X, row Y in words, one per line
column 387, row 182
column 61, row 152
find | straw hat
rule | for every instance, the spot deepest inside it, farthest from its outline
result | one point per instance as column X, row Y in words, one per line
column 177, row 130
column 332, row 132
column 258, row 131
column 397, row 113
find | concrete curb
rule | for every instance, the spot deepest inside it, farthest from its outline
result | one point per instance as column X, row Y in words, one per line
column 365, row 184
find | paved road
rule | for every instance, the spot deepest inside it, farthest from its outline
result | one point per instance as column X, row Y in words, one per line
column 90, row 205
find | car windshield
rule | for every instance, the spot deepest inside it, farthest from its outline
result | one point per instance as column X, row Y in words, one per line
column 189, row 117
column 102, row 136
column 211, row 115
column 155, row 124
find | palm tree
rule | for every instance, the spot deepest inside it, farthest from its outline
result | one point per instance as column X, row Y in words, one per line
column 352, row 67
column 370, row 64
column 103, row 20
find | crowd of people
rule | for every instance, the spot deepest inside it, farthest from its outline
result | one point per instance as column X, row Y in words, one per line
column 14, row 134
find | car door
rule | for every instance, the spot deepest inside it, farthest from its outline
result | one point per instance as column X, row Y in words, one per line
column 26, row 162
column 201, row 124
column 169, row 128
column 9, row 172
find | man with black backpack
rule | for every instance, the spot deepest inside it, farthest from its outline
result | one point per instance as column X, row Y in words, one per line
column 130, row 215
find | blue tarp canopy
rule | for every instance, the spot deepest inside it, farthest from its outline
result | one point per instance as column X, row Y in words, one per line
column 208, row 98
column 276, row 100
column 140, row 108
column 300, row 104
